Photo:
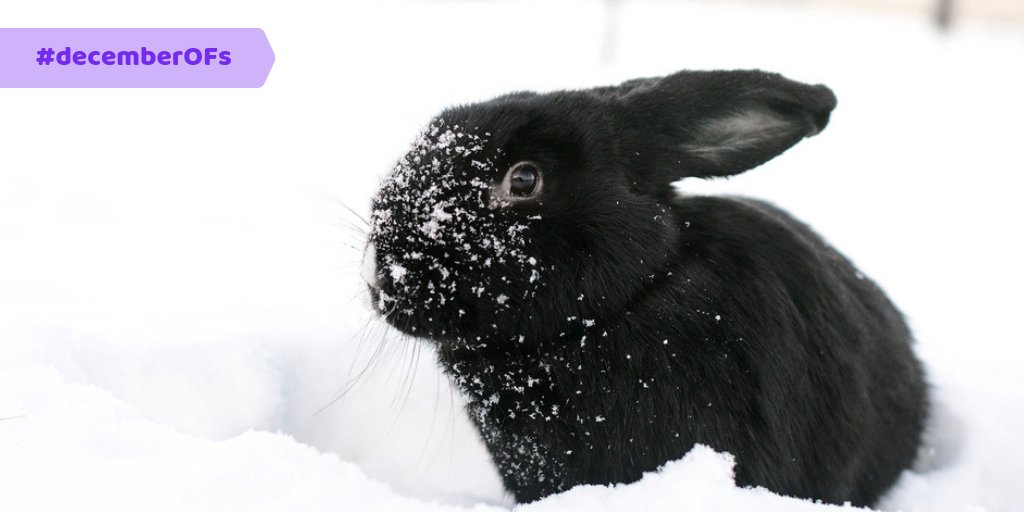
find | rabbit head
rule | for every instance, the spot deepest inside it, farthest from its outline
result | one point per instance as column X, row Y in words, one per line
column 510, row 217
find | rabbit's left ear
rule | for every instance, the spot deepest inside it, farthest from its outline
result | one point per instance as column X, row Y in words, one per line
column 711, row 123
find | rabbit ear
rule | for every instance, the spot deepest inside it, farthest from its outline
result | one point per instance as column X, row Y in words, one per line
column 711, row 123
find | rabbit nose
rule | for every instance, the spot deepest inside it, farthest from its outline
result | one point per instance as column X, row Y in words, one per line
column 369, row 267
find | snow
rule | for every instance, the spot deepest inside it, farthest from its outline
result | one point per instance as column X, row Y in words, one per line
column 702, row 480
column 183, row 325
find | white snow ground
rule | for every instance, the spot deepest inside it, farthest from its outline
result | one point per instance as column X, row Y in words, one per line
column 179, row 293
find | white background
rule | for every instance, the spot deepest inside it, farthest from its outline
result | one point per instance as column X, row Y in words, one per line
column 177, row 267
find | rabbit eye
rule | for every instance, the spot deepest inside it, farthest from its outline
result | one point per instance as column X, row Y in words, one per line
column 523, row 180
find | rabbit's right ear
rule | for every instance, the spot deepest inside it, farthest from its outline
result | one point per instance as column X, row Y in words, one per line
column 710, row 123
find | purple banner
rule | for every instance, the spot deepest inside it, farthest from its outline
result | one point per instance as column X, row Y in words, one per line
column 134, row 57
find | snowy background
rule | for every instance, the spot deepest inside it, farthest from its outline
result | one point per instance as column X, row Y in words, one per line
column 182, row 325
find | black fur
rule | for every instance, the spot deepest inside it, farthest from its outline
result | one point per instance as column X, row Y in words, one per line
column 608, row 325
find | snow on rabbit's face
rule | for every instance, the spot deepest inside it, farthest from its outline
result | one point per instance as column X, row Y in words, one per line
column 445, row 253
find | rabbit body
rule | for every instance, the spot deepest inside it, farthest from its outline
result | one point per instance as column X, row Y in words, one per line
column 601, row 324
column 800, row 368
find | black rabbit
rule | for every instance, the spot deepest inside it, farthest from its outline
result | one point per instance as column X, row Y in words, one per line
column 600, row 324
